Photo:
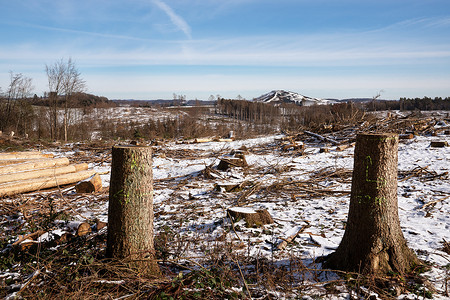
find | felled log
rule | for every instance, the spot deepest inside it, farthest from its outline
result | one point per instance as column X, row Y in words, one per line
column 343, row 147
column 12, row 161
column 99, row 225
column 230, row 187
column 31, row 236
column 83, row 229
column 203, row 140
column 293, row 146
column 16, row 176
column 90, row 185
column 24, row 155
column 321, row 137
column 23, row 186
column 13, row 166
column 251, row 216
column 406, row 136
column 290, row 238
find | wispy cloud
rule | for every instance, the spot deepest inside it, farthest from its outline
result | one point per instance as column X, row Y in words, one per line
column 289, row 51
column 416, row 23
column 79, row 32
column 177, row 20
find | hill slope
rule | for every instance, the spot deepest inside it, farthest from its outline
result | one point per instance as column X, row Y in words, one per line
column 281, row 96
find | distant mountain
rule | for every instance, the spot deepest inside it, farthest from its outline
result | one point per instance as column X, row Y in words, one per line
column 281, row 96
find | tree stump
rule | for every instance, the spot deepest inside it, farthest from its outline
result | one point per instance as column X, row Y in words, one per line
column 251, row 216
column 438, row 144
column 237, row 160
column 130, row 212
column 373, row 241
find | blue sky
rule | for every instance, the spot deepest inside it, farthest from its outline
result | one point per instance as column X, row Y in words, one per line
column 149, row 49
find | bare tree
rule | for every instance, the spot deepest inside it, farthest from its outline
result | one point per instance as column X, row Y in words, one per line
column 73, row 83
column 374, row 99
column 64, row 79
column 20, row 87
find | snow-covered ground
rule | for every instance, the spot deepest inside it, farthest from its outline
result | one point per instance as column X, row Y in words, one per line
column 191, row 205
column 312, row 189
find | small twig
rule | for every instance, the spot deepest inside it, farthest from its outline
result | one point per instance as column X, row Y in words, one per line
column 246, row 194
column 243, row 279
column 414, row 173
column 232, row 226
column 33, row 276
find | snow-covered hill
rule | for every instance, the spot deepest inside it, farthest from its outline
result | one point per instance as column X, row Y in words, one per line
column 281, row 96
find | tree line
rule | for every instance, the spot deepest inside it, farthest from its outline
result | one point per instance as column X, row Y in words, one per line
column 289, row 116
column 66, row 89
column 404, row 104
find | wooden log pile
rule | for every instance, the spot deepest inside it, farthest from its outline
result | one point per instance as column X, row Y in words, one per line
column 22, row 172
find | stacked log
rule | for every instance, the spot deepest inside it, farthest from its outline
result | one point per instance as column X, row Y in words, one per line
column 22, row 172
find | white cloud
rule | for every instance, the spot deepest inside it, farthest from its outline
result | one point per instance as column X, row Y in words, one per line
column 177, row 20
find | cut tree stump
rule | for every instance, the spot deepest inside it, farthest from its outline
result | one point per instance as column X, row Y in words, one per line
column 438, row 144
column 237, row 160
column 251, row 216
column 373, row 242
column 90, row 185
column 130, row 211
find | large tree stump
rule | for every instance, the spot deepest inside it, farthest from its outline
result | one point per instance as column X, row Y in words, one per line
column 130, row 212
column 252, row 217
column 373, row 241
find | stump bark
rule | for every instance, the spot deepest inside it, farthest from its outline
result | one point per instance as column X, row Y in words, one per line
column 373, row 242
column 130, row 212
column 252, row 217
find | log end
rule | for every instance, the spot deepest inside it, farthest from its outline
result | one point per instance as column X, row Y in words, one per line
column 91, row 185
column 83, row 229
